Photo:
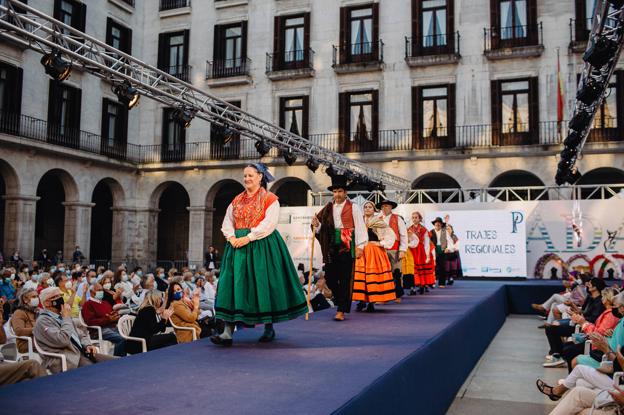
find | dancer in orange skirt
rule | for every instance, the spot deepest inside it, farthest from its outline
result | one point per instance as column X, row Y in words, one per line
column 423, row 253
column 373, row 280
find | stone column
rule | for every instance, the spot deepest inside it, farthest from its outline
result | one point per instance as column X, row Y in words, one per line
column 77, row 228
column 123, row 231
column 144, row 238
column 208, row 226
column 19, row 225
column 197, row 223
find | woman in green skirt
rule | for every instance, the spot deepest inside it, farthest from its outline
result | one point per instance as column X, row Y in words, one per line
column 258, row 282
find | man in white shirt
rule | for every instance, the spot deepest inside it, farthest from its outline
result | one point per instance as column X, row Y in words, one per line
column 342, row 234
column 443, row 245
column 396, row 253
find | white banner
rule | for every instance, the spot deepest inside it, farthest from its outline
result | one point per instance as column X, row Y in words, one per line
column 553, row 246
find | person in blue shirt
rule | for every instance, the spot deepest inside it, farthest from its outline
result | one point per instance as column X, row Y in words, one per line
column 7, row 293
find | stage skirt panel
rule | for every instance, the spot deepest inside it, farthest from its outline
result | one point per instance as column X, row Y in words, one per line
column 258, row 283
column 424, row 273
column 373, row 281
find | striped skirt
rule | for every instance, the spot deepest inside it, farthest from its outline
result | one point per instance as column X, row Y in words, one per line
column 373, row 281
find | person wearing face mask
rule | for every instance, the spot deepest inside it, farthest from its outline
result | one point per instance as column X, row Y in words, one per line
column 121, row 280
column 150, row 323
column 24, row 318
column 139, row 291
column 55, row 332
column 7, row 292
column 111, row 296
column 70, row 296
column 185, row 312
column 97, row 312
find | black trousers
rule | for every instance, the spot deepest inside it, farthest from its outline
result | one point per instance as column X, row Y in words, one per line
column 554, row 335
column 440, row 270
column 570, row 351
column 339, row 277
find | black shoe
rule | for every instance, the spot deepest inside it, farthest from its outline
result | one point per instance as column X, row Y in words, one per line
column 370, row 308
column 412, row 291
column 267, row 336
column 221, row 341
column 360, row 306
column 451, row 281
column 422, row 290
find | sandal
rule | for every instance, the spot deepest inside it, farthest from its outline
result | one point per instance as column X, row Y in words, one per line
column 541, row 386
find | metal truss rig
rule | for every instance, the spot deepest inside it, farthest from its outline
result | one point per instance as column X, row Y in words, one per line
column 35, row 30
column 608, row 23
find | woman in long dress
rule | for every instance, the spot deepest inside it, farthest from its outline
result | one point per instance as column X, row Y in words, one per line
column 258, row 282
column 373, row 280
column 424, row 268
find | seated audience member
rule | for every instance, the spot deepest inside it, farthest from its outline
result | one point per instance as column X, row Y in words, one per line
column 317, row 299
column 111, row 295
column 575, row 293
column 160, row 279
column 70, row 296
column 604, row 326
column 185, row 312
column 207, row 293
column 591, row 310
column 97, row 312
column 7, row 292
column 150, row 322
column 16, row 372
column 580, row 400
column 55, row 333
column 24, row 318
column 122, row 281
column 146, row 283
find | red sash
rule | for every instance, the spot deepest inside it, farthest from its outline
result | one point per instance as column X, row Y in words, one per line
column 394, row 225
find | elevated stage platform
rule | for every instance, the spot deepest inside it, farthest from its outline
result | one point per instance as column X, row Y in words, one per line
column 407, row 358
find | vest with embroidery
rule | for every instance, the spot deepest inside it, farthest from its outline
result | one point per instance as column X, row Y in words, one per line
column 394, row 225
column 249, row 211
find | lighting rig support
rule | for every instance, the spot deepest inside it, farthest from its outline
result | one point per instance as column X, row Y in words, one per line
column 35, row 30
column 601, row 56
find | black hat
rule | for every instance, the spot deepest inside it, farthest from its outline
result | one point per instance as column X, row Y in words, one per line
column 339, row 181
column 438, row 219
column 386, row 202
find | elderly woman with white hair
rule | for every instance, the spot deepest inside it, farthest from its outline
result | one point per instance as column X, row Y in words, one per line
column 149, row 324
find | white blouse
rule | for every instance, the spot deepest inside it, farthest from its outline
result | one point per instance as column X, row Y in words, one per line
column 264, row 228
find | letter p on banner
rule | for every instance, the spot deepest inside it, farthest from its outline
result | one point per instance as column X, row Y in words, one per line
column 516, row 219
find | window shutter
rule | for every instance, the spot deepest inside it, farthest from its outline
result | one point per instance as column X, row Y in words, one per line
column 218, row 44
column 494, row 24
column 450, row 102
column 282, row 118
column 579, row 25
column 343, row 125
column 15, row 102
column 306, row 38
column 496, row 112
column 306, row 117
column 81, row 18
column 244, row 42
column 344, row 25
column 164, row 139
column 54, row 103
column 450, row 26
column 619, row 101
column 416, row 117
column 534, row 110
column 76, row 98
column 277, row 43
column 375, row 39
column 109, row 31
column 162, row 51
column 57, row 9
column 187, row 48
column 375, row 120
column 416, row 37
column 104, row 128
column 128, row 41
column 122, row 133
column 532, row 22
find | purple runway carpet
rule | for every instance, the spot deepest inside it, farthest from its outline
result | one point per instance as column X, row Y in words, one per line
column 406, row 358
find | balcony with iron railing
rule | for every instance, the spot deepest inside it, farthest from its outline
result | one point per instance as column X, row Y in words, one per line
column 290, row 64
column 579, row 35
column 430, row 50
column 479, row 139
column 513, row 42
column 173, row 4
column 182, row 72
column 358, row 57
column 225, row 72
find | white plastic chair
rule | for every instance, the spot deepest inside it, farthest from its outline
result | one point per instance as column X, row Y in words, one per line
column 101, row 343
column 588, row 344
column 50, row 354
column 191, row 329
column 124, row 326
column 11, row 336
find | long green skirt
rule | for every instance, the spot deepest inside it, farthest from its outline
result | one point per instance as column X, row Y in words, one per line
column 258, row 283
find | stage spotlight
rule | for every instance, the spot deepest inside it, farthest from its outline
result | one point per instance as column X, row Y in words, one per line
column 290, row 157
column 127, row 94
column 580, row 121
column 568, row 153
column 331, row 171
column 573, row 139
column 565, row 164
column 184, row 116
column 600, row 51
column 262, row 147
column 312, row 164
column 55, row 66
column 617, row 4
column 589, row 92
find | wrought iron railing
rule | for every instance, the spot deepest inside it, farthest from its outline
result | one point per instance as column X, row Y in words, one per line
column 358, row 53
column 512, row 36
column 294, row 59
column 182, row 72
column 173, row 4
column 442, row 44
column 243, row 148
column 225, row 68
